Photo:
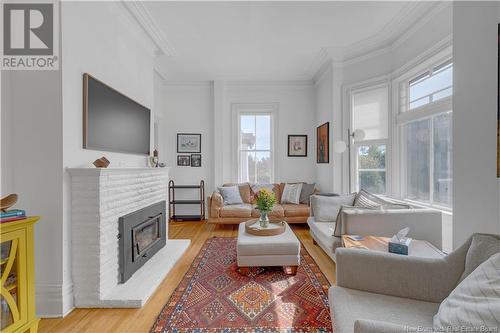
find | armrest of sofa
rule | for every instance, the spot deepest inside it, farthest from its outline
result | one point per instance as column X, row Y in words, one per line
column 424, row 224
column 390, row 274
column 215, row 202
column 375, row 326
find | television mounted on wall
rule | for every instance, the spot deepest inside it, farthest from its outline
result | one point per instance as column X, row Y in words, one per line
column 112, row 121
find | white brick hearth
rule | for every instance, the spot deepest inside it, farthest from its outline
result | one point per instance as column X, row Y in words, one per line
column 98, row 198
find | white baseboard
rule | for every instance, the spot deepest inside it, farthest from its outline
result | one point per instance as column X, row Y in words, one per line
column 54, row 300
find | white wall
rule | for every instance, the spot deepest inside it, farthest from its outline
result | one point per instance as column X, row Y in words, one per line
column 48, row 135
column 475, row 56
column 296, row 105
column 35, row 167
column 187, row 108
column 324, row 113
column 200, row 106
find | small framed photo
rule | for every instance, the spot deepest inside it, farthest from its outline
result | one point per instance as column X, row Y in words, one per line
column 297, row 145
column 196, row 160
column 188, row 143
column 183, row 160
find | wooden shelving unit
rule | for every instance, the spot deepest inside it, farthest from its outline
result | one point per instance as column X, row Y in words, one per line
column 199, row 201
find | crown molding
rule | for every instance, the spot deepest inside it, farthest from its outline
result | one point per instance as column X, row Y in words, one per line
column 384, row 42
column 269, row 83
column 144, row 19
column 435, row 9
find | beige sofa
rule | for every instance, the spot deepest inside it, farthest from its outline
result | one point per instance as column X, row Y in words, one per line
column 235, row 214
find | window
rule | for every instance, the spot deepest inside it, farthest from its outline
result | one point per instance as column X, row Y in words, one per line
column 255, row 163
column 431, row 86
column 370, row 114
column 427, row 138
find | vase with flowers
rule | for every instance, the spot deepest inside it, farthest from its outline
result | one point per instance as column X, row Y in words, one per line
column 265, row 200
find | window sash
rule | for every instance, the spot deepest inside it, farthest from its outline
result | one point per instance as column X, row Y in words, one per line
column 255, row 150
column 404, row 180
column 355, row 170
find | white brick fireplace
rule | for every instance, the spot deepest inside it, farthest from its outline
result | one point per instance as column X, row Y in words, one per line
column 98, row 198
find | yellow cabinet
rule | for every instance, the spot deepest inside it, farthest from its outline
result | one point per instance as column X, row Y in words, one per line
column 17, row 299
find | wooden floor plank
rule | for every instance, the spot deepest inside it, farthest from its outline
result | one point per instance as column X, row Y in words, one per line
column 141, row 320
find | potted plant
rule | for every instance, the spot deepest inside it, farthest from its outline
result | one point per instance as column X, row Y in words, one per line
column 265, row 200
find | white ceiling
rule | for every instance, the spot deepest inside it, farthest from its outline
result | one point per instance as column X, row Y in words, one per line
column 273, row 40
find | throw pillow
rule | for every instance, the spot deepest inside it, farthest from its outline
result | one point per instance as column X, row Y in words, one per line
column 481, row 248
column 367, row 200
column 245, row 194
column 326, row 209
column 291, row 193
column 231, row 195
column 475, row 302
column 307, row 191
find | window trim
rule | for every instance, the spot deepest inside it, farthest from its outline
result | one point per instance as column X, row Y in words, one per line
column 239, row 109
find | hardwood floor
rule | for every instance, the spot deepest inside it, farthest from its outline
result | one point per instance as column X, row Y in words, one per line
column 141, row 320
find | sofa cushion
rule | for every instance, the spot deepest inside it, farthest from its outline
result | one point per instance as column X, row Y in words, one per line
column 245, row 192
column 242, row 210
column 296, row 210
column 307, row 191
column 475, row 302
column 323, row 234
column 349, row 305
column 277, row 211
column 291, row 193
column 231, row 195
column 326, row 209
column 481, row 248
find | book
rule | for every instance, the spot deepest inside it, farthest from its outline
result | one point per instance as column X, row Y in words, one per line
column 11, row 219
column 12, row 213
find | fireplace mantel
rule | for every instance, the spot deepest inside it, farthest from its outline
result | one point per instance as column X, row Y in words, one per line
column 98, row 198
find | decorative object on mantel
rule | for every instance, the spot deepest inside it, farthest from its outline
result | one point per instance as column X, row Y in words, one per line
column 188, row 143
column 265, row 200
column 153, row 160
column 162, row 165
column 17, row 304
column 274, row 228
column 183, row 160
column 322, row 143
column 102, row 162
column 8, row 201
column 297, row 145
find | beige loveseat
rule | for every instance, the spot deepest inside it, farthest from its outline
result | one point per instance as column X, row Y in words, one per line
column 235, row 214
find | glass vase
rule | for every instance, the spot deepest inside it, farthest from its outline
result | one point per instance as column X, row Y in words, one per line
column 264, row 219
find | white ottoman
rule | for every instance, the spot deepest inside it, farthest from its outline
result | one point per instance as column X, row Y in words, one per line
column 281, row 250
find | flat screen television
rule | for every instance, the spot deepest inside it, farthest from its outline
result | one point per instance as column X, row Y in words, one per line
column 112, row 121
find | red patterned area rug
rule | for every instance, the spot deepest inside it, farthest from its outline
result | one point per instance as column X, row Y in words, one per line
column 214, row 297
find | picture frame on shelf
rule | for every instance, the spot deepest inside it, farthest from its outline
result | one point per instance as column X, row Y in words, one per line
column 188, row 143
column 297, row 145
column 183, row 160
column 196, row 160
column 323, row 143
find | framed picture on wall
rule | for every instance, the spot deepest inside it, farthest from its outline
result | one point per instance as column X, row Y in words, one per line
column 322, row 143
column 188, row 143
column 297, row 145
column 196, row 160
column 183, row 160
